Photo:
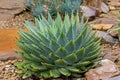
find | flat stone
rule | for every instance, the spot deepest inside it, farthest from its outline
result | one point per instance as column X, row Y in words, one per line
column 12, row 4
column 111, row 57
column 114, row 78
column 105, row 37
column 106, row 70
column 89, row 12
column 9, row 8
column 102, row 26
column 105, row 20
column 104, row 7
column 8, row 55
column 11, row 12
column 8, row 44
column 5, row 17
column 113, row 32
column 114, row 3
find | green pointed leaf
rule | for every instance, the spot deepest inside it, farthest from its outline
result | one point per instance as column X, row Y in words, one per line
column 42, row 38
column 19, row 65
column 79, row 64
column 58, row 21
column 80, row 53
column 70, row 46
column 75, row 30
column 45, row 74
column 83, row 68
column 50, row 19
column 27, row 74
column 62, row 39
column 36, row 57
column 20, row 71
column 93, row 56
column 54, row 45
column 52, row 35
column 45, row 48
column 47, row 65
column 70, row 34
column 67, row 22
column 45, row 22
column 71, row 58
column 60, row 63
column 28, row 57
column 53, row 56
column 72, row 20
column 78, row 41
column 73, row 69
column 64, row 71
column 37, row 23
column 45, row 59
column 61, row 52
column 55, row 73
column 38, row 67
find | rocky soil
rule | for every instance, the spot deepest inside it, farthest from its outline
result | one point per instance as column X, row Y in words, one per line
column 17, row 22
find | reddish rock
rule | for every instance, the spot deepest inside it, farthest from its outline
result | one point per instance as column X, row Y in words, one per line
column 106, row 70
column 8, row 43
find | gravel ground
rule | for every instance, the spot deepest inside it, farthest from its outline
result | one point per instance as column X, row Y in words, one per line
column 8, row 71
column 17, row 22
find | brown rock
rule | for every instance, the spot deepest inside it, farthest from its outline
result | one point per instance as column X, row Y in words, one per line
column 114, row 78
column 104, row 7
column 113, row 32
column 4, row 16
column 12, row 11
column 89, row 12
column 105, row 37
column 102, row 26
column 112, row 7
column 8, row 56
column 106, row 20
column 12, row 4
column 9, row 8
column 114, row 3
column 105, row 71
column 1, row 68
column 109, row 56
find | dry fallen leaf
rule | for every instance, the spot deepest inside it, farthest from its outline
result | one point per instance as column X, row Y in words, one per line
column 102, row 26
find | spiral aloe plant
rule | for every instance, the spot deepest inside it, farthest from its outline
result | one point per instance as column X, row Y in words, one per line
column 55, row 48
column 44, row 7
